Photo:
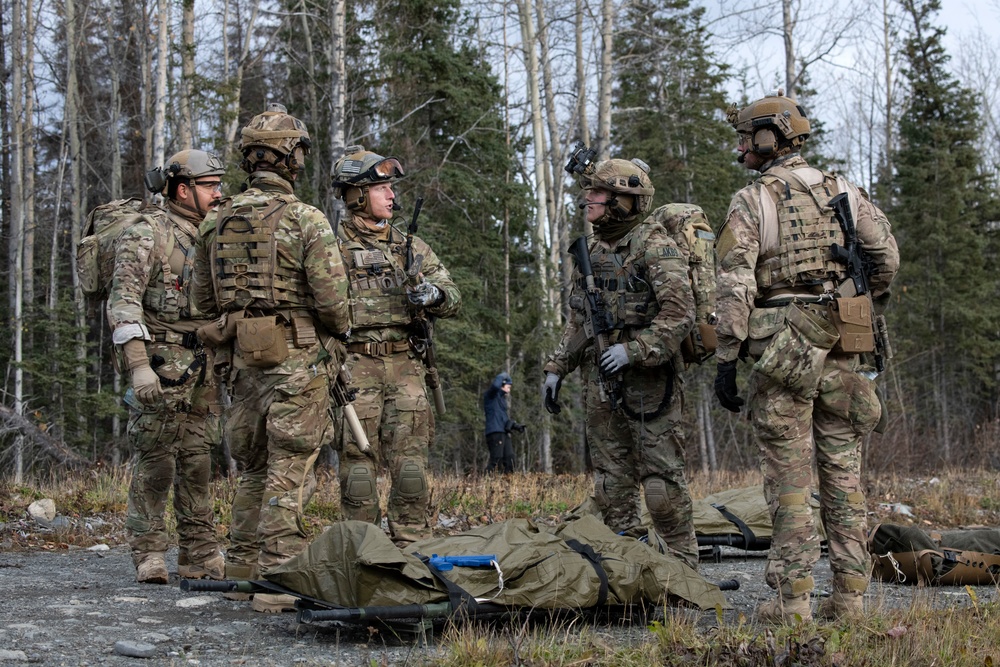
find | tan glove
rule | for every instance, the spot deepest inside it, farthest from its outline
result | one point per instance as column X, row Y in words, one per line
column 145, row 383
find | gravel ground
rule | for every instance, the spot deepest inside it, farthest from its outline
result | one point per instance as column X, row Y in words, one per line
column 83, row 607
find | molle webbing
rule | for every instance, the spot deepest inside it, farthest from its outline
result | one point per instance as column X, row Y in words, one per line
column 626, row 297
column 249, row 271
column 806, row 228
column 378, row 284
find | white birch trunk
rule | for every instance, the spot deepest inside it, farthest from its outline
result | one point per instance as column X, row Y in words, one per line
column 160, row 95
column 338, row 93
column 186, row 134
column 541, row 224
column 17, row 216
column 604, row 90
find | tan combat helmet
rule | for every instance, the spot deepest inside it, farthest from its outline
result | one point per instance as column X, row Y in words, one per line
column 275, row 139
column 777, row 124
column 190, row 164
column 628, row 180
column 359, row 168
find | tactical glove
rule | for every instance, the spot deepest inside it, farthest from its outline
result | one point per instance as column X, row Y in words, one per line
column 520, row 428
column 550, row 393
column 614, row 360
column 725, row 386
column 145, row 383
column 425, row 294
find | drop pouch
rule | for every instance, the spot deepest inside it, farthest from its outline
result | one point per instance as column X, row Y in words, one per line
column 795, row 355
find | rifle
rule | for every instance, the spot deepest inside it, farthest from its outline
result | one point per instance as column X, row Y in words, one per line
column 598, row 323
column 343, row 395
column 859, row 270
column 423, row 338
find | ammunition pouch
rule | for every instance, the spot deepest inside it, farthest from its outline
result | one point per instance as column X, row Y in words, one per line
column 797, row 350
column 852, row 319
column 261, row 341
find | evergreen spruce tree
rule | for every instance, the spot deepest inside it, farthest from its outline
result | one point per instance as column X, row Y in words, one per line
column 946, row 313
column 669, row 106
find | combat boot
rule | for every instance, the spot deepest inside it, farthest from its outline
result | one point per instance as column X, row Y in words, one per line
column 847, row 599
column 152, row 570
column 272, row 603
column 791, row 606
column 213, row 567
column 238, row 572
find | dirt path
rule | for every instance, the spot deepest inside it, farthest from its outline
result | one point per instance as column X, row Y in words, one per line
column 82, row 607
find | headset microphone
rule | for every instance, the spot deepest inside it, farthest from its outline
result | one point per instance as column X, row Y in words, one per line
column 396, row 207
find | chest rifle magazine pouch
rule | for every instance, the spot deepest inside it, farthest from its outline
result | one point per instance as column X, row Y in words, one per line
column 261, row 341
column 795, row 355
column 853, row 320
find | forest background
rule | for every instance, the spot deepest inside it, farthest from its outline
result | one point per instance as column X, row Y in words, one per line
column 482, row 101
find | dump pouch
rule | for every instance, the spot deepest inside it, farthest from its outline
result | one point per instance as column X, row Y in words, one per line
column 794, row 358
column 262, row 341
column 853, row 320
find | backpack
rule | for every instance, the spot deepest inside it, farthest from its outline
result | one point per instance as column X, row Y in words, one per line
column 95, row 256
column 689, row 227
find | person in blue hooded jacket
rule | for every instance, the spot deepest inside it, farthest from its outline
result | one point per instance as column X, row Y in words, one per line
column 499, row 425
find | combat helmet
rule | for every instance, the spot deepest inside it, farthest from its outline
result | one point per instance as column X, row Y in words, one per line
column 189, row 164
column 776, row 124
column 276, row 139
column 359, row 168
column 628, row 180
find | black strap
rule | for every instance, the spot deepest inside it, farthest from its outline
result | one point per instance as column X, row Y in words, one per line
column 594, row 559
column 748, row 537
column 462, row 602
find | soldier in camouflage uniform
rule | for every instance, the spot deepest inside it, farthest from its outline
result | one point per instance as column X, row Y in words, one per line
column 384, row 353
column 780, row 297
column 269, row 264
column 643, row 282
column 172, row 393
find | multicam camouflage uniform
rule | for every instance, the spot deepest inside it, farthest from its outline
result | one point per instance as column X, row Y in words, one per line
column 279, row 417
column 644, row 282
column 148, row 301
column 773, row 261
column 389, row 375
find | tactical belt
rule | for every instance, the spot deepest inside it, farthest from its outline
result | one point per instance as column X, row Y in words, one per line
column 383, row 349
column 188, row 340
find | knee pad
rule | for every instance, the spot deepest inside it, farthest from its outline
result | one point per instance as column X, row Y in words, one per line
column 360, row 488
column 412, row 481
column 657, row 498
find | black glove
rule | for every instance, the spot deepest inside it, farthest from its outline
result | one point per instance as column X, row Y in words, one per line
column 518, row 427
column 725, row 386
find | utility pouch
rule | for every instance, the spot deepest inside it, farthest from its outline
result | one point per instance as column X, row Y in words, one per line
column 763, row 324
column 700, row 344
column 262, row 341
column 853, row 320
column 794, row 357
column 303, row 332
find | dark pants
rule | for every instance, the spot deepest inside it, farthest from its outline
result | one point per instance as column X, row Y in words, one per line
column 501, row 452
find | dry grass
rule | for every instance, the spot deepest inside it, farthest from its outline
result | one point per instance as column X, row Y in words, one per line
column 928, row 632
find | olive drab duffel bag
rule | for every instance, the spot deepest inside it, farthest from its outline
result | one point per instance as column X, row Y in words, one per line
column 906, row 555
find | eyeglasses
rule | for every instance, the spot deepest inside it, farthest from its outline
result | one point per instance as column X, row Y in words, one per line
column 215, row 186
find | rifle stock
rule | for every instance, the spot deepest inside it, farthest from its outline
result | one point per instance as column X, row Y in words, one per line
column 343, row 396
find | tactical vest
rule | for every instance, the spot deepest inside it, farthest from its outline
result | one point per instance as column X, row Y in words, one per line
column 806, row 227
column 378, row 285
column 247, row 269
column 168, row 298
column 628, row 297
